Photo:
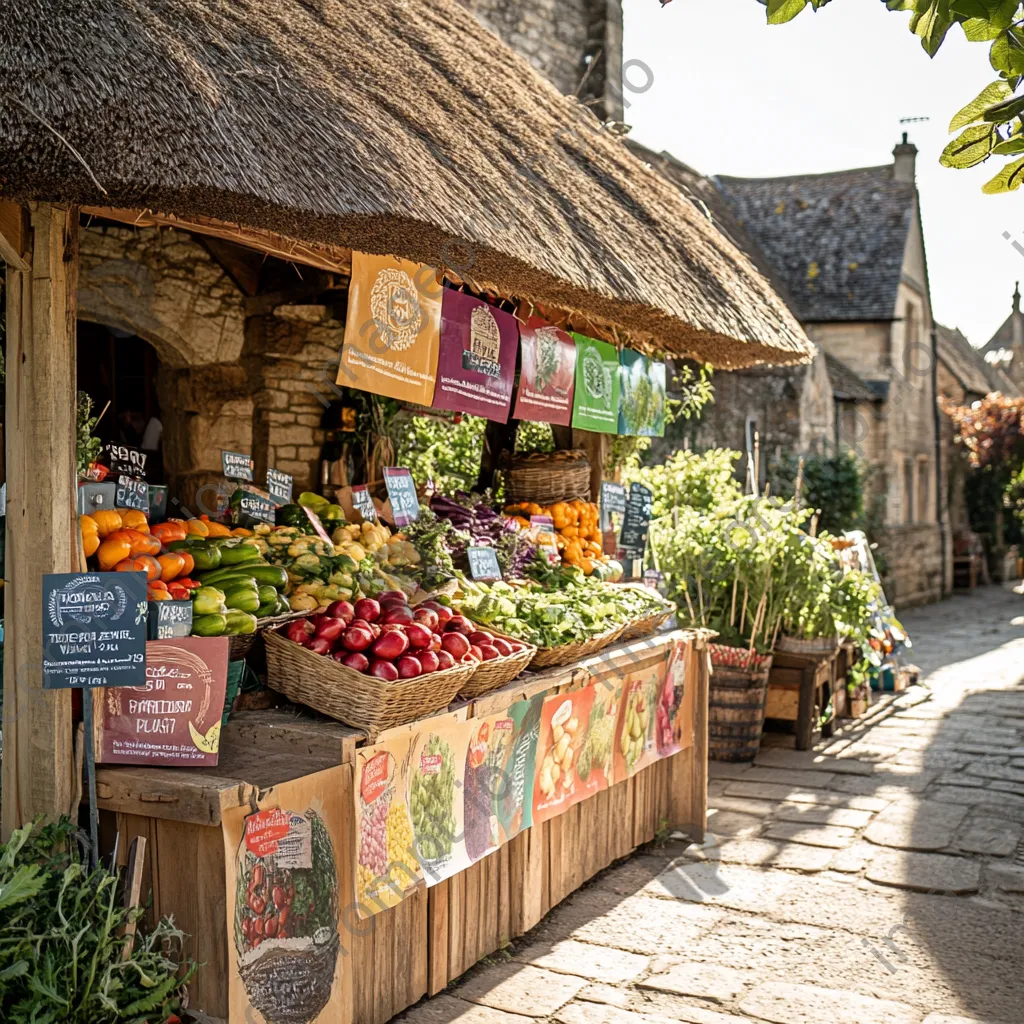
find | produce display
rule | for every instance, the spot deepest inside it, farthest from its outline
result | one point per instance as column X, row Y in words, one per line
column 390, row 640
column 483, row 527
column 577, row 530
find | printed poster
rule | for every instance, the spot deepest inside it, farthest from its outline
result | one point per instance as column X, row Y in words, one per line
column 642, row 395
column 595, row 768
column 635, row 736
column 175, row 718
column 285, row 896
column 515, row 798
column 563, row 736
column 596, row 398
column 547, row 373
column 674, row 724
column 477, row 358
column 393, row 329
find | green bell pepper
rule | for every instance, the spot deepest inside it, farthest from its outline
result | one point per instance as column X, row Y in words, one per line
column 208, row 601
column 265, row 611
column 240, row 622
column 209, row 625
column 283, row 605
column 242, row 597
column 268, row 594
column 239, row 553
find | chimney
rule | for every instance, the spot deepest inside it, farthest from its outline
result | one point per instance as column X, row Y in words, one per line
column 904, row 160
column 1017, row 325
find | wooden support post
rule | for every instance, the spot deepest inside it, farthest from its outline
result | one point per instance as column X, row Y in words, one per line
column 596, row 446
column 41, row 515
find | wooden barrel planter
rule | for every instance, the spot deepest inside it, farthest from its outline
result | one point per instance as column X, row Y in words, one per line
column 738, row 691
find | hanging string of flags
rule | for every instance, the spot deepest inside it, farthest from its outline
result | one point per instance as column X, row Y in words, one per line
column 411, row 338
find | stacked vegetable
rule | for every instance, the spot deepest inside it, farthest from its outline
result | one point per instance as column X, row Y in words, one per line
column 390, row 640
column 577, row 529
column 483, row 527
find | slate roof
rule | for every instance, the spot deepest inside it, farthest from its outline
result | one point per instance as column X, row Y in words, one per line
column 836, row 240
column 846, row 385
column 968, row 364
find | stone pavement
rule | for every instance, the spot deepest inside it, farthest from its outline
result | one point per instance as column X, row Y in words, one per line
column 876, row 880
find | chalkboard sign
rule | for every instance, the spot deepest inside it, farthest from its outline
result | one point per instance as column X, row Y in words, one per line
column 236, row 466
column 169, row 619
column 94, row 629
column 123, row 458
column 633, row 539
column 318, row 527
column 132, row 493
column 405, row 505
column 174, row 716
column 279, row 485
column 362, row 502
column 613, row 499
column 254, row 508
column 483, row 564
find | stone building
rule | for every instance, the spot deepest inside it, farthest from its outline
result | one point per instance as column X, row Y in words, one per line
column 1005, row 349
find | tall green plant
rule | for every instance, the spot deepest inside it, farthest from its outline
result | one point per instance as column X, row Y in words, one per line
column 833, row 485
column 687, row 479
column 61, row 945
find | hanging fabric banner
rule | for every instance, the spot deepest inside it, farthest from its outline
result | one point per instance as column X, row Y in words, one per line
column 546, row 374
column 596, row 401
column 477, row 359
column 393, row 329
column 642, row 391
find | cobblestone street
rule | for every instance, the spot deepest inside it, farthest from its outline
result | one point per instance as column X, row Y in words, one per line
column 876, row 880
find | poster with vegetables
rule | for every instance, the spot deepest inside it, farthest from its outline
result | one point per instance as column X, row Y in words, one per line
column 634, row 738
column 515, row 796
column 175, row 718
column 547, row 373
column 392, row 330
column 477, row 357
column 563, row 734
column 674, row 714
column 386, row 865
column 284, row 900
column 490, row 740
column 595, row 767
column 641, row 395
column 596, row 396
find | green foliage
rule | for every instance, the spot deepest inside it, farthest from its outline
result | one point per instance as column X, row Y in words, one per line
column 534, row 437
column 87, row 447
column 60, row 950
column 833, row 485
column 686, row 479
column 438, row 449
column 992, row 121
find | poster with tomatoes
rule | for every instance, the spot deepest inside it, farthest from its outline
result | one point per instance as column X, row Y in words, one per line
column 285, row 893
column 487, row 751
column 673, row 713
column 547, row 373
column 565, row 720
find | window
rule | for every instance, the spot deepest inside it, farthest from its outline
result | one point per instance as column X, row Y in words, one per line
column 908, row 491
column 924, row 488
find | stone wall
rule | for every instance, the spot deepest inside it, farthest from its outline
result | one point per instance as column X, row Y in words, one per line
column 913, row 558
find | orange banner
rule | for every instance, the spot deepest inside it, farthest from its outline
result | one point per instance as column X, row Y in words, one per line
column 392, row 334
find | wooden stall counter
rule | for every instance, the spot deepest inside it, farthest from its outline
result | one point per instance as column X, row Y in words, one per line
column 477, row 898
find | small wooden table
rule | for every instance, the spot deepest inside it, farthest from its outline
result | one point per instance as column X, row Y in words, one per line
column 801, row 690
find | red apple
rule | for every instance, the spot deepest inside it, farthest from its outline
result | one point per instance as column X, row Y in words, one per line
column 299, row 630
column 330, row 629
column 503, row 647
column 367, row 608
column 480, row 637
column 398, row 614
column 409, row 667
column 341, row 610
column 444, row 660
column 419, row 636
column 394, row 595
column 487, row 652
column 475, row 653
column 356, row 638
column 383, row 670
column 391, row 645
column 456, row 645
column 427, row 617
column 435, row 642
column 352, row 659
column 459, row 624
column 429, row 661
column 318, row 645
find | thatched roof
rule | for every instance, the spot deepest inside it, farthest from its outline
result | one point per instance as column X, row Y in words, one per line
column 389, row 126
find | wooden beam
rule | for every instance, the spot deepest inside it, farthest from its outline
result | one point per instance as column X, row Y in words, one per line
column 324, row 257
column 14, row 234
column 239, row 262
column 42, row 524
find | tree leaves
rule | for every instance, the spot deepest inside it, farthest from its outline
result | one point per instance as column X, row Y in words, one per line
column 1007, row 110
column 932, row 24
column 972, row 146
column 999, row 13
column 994, row 93
column 1009, row 179
column 781, row 11
column 1007, row 53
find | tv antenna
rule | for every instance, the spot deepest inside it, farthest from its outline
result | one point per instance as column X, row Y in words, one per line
column 913, row 120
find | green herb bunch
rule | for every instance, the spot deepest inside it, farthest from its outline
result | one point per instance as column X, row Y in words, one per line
column 87, row 447
column 60, row 942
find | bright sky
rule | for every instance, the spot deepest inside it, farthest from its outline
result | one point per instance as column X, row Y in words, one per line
column 732, row 95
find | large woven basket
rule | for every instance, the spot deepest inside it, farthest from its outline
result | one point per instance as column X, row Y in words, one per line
column 362, row 701
column 242, row 643
column 490, row 675
column 546, row 479
column 736, row 702
column 550, row 657
column 821, row 646
column 649, row 623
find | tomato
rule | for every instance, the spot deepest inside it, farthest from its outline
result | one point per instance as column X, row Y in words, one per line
column 282, row 918
column 257, row 904
column 279, row 896
column 257, row 874
column 257, row 926
column 270, row 926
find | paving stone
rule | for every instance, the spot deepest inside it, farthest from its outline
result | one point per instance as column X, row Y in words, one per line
column 726, row 769
column 585, row 960
column 867, row 753
column 1007, row 787
column 706, row 981
column 945, row 1018
column 765, row 853
column 783, row 1003
column 924, row 872
column 730, row 823
column 789, row 777
column 1008, row 877
column 853, row 859
column 445, row 1009
column 984, row 797
column 761, row 808
column 807, row 760
column 817, row 815
column 959, row 779
column 769, row 791
column 699, row 1015
column 994, row 837
column 1004, row 772
column 610, row 995
column 601, row 1013
column 887, row 786
column 520, row 988
column 916, row 825
column 831, row 836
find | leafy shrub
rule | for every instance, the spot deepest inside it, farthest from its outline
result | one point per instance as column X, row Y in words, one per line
column 832, row 484
column 438, row 449
column 60, row 950
column 687, row 479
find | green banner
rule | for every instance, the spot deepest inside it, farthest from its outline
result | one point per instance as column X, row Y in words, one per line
column 596, row 401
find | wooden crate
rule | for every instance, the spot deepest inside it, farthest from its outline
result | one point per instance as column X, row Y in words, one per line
column 800, row 689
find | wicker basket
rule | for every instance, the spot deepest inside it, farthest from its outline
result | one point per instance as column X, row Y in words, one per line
column 821, row 646
column 362, row 701
column 550, row 657
column 546, row 479
column 490, row 675
column 647, row 625
column 736, row 703
column 242, row 643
